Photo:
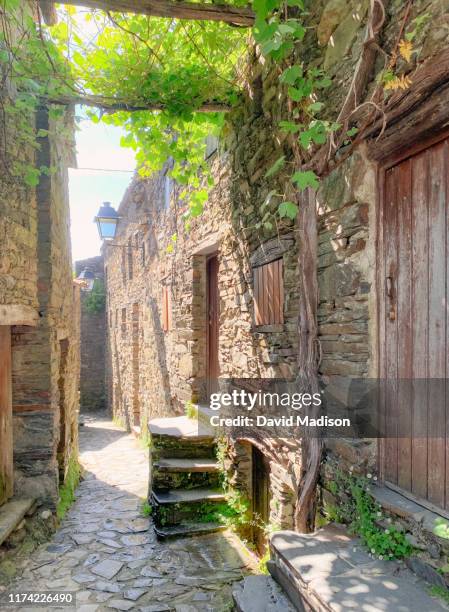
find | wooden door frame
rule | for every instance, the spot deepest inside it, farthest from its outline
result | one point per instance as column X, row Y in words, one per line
column 382, row 166
column 209, row 257
column 7, row 465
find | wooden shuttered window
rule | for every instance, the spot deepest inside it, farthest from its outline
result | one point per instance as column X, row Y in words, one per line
column 166, row 308
column 269, row 294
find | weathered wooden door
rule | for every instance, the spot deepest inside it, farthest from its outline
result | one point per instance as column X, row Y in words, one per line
column 414, row 330
column 213, row 370
column 6, row 460
column 260, row 498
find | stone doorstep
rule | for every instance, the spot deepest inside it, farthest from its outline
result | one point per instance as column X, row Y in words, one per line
column 399, row 505
column 12, row 513
column 330, row 571
column 179, row 496
column 186, row 465
column 180, row 427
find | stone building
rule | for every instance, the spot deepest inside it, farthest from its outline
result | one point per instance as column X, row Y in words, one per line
column 93, row 336
column 39, row 321
column 180, row 316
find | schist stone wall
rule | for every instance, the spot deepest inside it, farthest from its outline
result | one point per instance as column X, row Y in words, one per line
column 155, row 371
column 41, row 304
column 93, row 343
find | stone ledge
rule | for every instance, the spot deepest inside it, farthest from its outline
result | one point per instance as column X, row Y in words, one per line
column 11, row 514
column 330, row 571
column 260, row 594
column 395, row 503
column 17, row 314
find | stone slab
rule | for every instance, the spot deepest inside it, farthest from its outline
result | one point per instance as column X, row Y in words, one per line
column 186, row 465
column 187, row 529
column 179, row 427
column 329, row 570
column 11, row 514
column 260, row 594
column 178, row 496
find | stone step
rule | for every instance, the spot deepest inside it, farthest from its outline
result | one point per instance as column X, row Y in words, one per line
column 182, row 496
column 260, row 594
column 167, row 464
column 11, row 515
column 180, row 427
column 187, row 529
column 167, row 480
column 330, row 570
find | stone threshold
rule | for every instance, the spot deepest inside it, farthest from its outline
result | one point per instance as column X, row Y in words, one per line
column 403, row 507
column 329, row 571
column 12, row 513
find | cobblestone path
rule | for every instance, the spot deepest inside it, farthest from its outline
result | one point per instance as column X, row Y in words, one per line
column 107, row 552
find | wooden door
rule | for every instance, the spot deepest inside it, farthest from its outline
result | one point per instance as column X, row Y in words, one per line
column 212, row 305
column 6, row 459
column 260, row 498
column 413, row 324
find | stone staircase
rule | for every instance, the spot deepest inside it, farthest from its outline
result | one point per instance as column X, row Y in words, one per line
column 184, row 478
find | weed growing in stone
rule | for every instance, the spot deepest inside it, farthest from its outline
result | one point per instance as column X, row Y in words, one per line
column 67, row 489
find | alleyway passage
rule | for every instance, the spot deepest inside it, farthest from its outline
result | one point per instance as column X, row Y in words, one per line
column 107, row 552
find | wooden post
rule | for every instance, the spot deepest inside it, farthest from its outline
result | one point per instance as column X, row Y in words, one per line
column 6, row 448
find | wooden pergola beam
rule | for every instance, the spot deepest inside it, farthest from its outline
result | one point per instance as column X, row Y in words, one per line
column 113, row 105
column 242, row 16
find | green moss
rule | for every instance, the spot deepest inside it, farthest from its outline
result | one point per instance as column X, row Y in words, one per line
column 440, row 592
column 146, row 509
column 191, row 410
column 67, row 489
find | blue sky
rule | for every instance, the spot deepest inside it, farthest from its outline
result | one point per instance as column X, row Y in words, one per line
column 98, row 146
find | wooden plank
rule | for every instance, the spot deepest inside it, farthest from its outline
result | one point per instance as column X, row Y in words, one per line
column 263, row 271
column 437, row 324
column 6, row 441
column 167, row 8
column 256, row 290
column 446, row 172
column 270, row 292
column 281, row 291
column 420, row 290
column 391, row 332
column 404, row 318
column 276, row 292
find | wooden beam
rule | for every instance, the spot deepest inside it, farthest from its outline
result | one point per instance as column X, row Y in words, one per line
column 49, row 14
column 113, row 105
column 242, row 16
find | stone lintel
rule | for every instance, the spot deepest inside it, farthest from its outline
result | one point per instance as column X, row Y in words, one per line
column 18, row 314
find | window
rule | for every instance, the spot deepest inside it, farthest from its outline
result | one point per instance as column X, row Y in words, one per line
column 166, row 309
column 268, row 294
column 123, row 321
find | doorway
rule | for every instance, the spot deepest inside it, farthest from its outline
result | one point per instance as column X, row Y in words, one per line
column 414, row 323
column 212, row 306
column 6, row 441
column 260, row 498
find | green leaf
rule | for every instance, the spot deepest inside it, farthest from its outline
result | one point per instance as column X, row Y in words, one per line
column 352, row 132
column 291, row 74
column 278, row 164
column 31, row 176
column 296, row 94
column 315, row 107
column 288, row 209
column 290, row 127
column 304, row 179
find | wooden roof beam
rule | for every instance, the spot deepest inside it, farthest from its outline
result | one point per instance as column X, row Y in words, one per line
column 113, row 105
column 242, row 16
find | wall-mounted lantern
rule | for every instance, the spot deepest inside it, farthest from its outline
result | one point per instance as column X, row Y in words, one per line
column 106, row 220
column 86, row 279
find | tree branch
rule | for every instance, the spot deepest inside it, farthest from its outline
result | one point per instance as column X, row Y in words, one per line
column 242, row 16
column 114, row 105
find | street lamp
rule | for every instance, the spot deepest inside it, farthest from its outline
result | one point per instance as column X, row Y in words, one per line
column 87, row 278
column 106, row 220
